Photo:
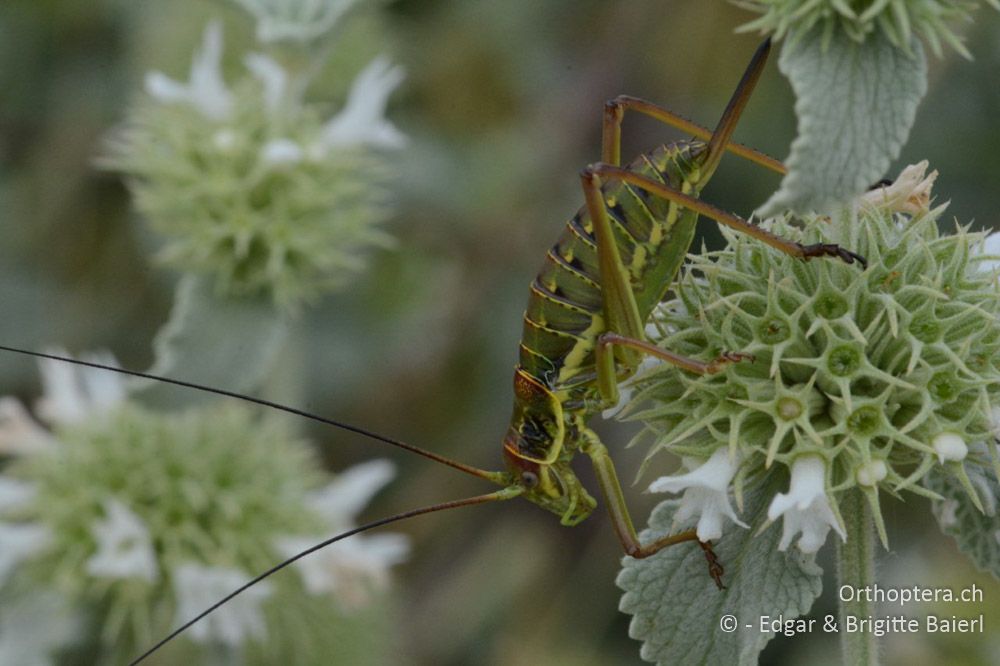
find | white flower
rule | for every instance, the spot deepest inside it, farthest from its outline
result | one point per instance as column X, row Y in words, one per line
column 296, row 20
column 19, row 541
column 124, row 548
column 32, row 627
column 946, row 511
column 949, row 447
column 206, row 91
column 340, row 501
column 910, row 193
column 197, row 587
column 279, row 154
column 871, row 474
column 348, row 568
column 271, row 75
column 706, row 494
column 73, row 393
column 362, row 120
column 19, row 433
column 225, row 140
column 806, row 507
column 15, row 494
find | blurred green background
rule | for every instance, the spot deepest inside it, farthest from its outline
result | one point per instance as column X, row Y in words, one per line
column 502, row 103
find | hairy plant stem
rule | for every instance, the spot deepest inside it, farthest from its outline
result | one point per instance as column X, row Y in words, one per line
column 856, row 570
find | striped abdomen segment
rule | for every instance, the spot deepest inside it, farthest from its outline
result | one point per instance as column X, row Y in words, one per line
column 564, row 313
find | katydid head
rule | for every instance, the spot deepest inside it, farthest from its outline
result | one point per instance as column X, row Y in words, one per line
column 532, row 449
column 553, row 487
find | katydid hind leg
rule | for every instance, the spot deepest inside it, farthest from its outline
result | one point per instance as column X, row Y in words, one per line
column 621, row 519
column 614, row 114
column 712, row 367
column 608, row 172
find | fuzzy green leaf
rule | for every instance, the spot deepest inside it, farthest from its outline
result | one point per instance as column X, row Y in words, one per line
column 976, row 532
column 856, row 103
column 677, row 609
column 227, row 343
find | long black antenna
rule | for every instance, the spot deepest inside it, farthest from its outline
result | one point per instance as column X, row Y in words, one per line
column 495, row 477
column 505, row 494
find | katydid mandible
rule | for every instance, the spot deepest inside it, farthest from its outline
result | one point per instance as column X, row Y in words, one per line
column 584, row 324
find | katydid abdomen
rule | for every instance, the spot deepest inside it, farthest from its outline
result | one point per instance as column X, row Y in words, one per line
column 564, row 316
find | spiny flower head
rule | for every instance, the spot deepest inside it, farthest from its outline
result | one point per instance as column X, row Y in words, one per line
column 898, row 19
column 139, row 520
column 863, row 379
column 250, row 184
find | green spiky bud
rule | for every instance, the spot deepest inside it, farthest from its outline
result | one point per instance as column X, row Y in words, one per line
column 883, row 374
column 898, row 20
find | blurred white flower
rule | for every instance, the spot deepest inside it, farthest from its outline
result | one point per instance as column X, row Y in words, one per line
column 295, row 20
column 340, row 501
column 362, row 120
column 18, row 542
column 279, row 154
column 706, row 494
column 350, row 568
column 124, row 548
column 206, row 90
column 33, row 627
column 197, row 587
column 271, row 75
column 72, row 393
column 15, row 493
column 806, row 507
column 991, row 245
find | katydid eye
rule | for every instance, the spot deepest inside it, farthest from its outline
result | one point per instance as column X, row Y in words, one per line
column 529, row 479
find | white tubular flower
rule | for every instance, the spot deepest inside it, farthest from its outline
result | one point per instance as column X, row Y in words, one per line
column 806, row 507
column 294, row 20
column 73, row 393
column 341, row 500
column 124, row 548
column 18, row 542
column 871, row 474
column 706, row 494
column 206, row 90
column 949, row 447
column 19, row 433
column 362, row 120
column 348, row 569
column 910, row 193
column 198, row 586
